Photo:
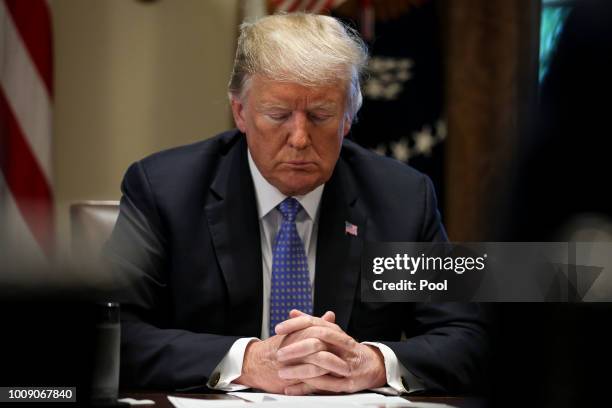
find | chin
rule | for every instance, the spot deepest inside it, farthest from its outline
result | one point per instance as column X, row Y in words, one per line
column 298, row 189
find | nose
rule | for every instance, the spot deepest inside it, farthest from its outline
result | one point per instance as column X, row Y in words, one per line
column 299, row 136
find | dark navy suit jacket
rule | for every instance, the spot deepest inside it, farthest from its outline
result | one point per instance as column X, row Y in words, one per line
column 187, row 243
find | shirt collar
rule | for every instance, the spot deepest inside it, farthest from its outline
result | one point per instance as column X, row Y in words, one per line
column 268, row 196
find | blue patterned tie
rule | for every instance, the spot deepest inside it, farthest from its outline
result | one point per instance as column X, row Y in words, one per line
column 290, row 287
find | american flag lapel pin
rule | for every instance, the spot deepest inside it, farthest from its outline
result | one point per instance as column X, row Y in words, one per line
column 350, row 229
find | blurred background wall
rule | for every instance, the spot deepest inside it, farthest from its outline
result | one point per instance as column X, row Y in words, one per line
column 131, row 78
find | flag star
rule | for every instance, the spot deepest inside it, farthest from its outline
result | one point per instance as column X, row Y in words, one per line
column 401, row 150
column 374, row 88
column 387, row 77
column 387, row 63
column 405, row 63
column 376, row 64
column 441, row 130
column 404, row 75
column 424, row 141
column 392, row 90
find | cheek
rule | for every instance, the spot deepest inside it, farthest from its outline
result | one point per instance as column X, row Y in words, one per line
column 265, row 147
column 330, row 149
column 264, row 125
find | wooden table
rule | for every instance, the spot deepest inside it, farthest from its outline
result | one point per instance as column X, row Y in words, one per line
column 161, row 400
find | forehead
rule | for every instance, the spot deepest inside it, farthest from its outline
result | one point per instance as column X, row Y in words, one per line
column 263, row 91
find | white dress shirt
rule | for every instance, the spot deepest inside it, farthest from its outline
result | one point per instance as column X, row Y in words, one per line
column 307, row 222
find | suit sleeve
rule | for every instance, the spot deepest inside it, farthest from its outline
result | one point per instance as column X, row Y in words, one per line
column 153, row 355
column 446, row 345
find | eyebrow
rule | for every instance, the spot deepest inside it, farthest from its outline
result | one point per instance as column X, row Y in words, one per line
column 272, row 105
column 324, row 105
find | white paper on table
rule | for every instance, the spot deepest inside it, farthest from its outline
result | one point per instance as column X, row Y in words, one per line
column 133, row 401
column 359, row 399
column 180, row 402
column 266, row 400
column 303, row 404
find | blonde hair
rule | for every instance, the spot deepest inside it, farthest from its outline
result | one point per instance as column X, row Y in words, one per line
column 308, row 49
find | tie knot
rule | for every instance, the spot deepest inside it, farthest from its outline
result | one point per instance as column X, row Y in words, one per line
column 289, row 208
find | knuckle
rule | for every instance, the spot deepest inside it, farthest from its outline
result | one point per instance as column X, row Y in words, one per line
column 310, row 331
column 327, row 357
column 307, row 389
column 312, row 370
column 351, row 385
column 313, row 344
column 338, row 387
column 349, row 342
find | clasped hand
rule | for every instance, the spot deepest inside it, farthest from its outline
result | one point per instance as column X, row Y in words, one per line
column 311, row 355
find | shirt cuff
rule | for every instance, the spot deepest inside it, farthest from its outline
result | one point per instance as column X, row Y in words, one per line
column 230, row 367
column 399, row 379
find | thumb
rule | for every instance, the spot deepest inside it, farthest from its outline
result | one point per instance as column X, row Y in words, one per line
column 296, row 313
column 329, row 316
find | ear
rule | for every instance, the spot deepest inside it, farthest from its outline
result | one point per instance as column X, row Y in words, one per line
column 347, row 125
column 238, row 113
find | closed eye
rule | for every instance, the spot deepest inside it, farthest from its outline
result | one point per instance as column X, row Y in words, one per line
column 278, row 117
column 318, row 117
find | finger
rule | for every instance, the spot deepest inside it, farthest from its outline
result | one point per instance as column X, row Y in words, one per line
column 296, row 323
column 330, row 362
column 329, row 316
column 331, row 383
column 300, row 349
column 301, row 371
column 324, row 334
column 300, row 389
column 302, row 322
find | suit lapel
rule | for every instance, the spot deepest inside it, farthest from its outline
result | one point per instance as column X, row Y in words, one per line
column 338, row 253
column 234, row 226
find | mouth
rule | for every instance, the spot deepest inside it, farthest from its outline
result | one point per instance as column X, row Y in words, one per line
column 300, row 164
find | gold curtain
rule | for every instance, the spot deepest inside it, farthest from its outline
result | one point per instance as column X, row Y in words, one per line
column 491, row 50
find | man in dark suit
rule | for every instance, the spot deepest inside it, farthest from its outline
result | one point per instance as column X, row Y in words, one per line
column 231, row 246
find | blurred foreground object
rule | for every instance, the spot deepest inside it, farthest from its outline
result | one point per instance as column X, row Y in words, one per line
column 563, row 180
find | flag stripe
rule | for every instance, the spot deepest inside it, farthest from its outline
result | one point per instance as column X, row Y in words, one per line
column 25, row 178
column 287, row 5
column 324, row 5
column 310, row 6
column 303, row 5
column 33, row 23
column 25, row 92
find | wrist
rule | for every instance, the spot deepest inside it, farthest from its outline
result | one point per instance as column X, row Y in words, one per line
column 247, row 376
column 379, row 372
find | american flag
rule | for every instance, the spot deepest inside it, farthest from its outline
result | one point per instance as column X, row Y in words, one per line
column 310, row 6
column 253, row 9
column 26, row 96
column 350, row 229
